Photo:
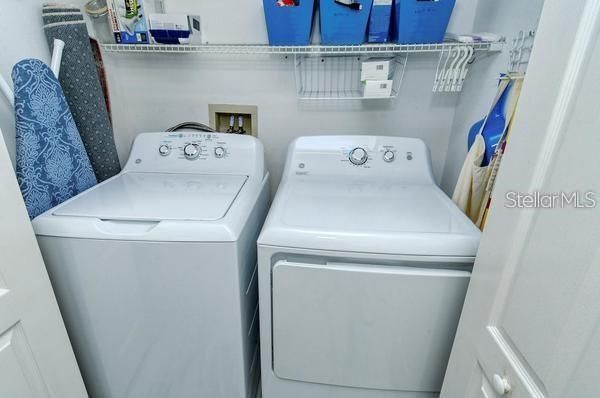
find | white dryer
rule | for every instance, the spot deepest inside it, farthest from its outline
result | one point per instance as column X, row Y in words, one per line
column 363, row 265
column 155, row 269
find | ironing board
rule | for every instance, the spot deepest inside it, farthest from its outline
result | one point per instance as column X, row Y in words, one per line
column 52, row 164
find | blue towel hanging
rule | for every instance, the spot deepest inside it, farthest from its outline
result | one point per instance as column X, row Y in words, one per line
column 493, row 126
column 52, row 164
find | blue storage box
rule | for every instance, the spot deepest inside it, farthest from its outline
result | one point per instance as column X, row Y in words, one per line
column 379, row 22
column 421, row 21
column 344, row 22
column 289, row 26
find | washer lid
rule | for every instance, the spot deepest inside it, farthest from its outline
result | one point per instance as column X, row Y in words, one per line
column 157, row 197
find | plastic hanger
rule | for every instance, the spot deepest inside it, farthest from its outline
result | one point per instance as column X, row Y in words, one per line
column 464, row 70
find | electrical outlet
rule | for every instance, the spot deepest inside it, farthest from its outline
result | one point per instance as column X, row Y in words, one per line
column 227, row 118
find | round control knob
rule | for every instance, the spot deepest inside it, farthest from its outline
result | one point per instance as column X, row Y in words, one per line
column 219, row 152
column 358, row 156
column 389, row 156
column 164, row 150
column 191, row 151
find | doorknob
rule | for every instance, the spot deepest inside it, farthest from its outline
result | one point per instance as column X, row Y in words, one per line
column 501, row 385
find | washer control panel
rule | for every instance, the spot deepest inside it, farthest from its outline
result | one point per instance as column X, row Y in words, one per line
column 196, row 152
column 194, row 146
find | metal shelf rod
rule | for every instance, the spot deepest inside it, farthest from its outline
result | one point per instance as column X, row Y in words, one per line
column 296, row 50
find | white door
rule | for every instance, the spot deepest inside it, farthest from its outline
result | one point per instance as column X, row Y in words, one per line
column 530, row 326
column 36, row 358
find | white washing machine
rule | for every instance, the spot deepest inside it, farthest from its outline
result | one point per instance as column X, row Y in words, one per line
column 363, row 265
column 155, row 269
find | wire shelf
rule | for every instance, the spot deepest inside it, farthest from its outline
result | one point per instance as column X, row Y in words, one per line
column 338, row 77
column 322, row 72
column 364, row 49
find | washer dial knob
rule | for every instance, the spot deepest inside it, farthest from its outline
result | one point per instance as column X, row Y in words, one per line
column 191, row 151
column 164, row 150
column 358, row 156
column 389, row 156
column 219, row 152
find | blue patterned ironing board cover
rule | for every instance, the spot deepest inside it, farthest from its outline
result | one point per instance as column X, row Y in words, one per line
column 52, row 164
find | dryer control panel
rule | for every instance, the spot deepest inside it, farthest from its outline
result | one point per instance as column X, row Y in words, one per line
column 360, row 156
column 196, row 152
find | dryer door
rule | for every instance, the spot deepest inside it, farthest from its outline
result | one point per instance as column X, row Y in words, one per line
column 365, row 326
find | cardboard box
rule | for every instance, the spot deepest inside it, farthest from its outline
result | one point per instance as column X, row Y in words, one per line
column 377, row 88
column 175, row 28
column 376, row 69
column 128, row 21
column 169, row 28
column 196, row 28
column 379, row 22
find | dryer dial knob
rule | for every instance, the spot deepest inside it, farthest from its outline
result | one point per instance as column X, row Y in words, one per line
column 358, row 156
column 164, row 150
column 219, row 152
column 191, row 151
column 389, row 156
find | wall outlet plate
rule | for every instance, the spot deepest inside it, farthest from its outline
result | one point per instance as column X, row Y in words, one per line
column 220, row 114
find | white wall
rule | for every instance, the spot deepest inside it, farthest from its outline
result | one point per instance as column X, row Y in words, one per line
column 158, row 91
column 153, row 92
column 506, row 18
column 22, row 37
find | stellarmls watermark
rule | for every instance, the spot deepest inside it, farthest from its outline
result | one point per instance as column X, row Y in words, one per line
column 557, row 200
